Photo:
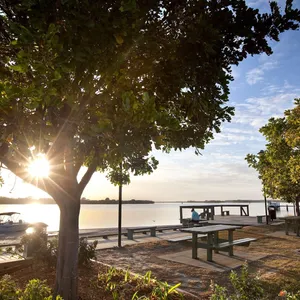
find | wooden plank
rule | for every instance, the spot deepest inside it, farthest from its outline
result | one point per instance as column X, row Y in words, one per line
column 234, row 243
column 141, row 228
column 184, row 238
column 144, row 230
column 170, row 227
column 210, row 228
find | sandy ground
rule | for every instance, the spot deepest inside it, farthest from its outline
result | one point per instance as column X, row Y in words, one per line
column 279, row 267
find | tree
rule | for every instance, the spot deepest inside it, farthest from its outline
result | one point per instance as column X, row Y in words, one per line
column 99, row 83
column 279, row 165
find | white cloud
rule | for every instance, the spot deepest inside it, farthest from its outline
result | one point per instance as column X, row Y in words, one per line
column 257, row 74
column 272, row 89
column 256, row 111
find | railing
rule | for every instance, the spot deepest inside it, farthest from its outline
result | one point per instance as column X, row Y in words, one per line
column 209, row 210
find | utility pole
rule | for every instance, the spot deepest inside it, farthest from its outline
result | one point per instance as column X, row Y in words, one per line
column 120, row 210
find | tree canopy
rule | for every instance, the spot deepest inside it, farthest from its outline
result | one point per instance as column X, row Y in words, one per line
column 279, row 164
column 100, row 83
column 120, row 77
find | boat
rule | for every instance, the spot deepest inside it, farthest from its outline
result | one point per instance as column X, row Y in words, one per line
column 11, row 222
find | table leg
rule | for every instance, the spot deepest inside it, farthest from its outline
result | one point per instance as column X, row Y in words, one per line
column 216, row 240
column 230, row 239
column 209, row 245
column 194, row 244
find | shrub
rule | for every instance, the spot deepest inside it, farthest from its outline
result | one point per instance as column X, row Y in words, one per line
column 86, row 252
column 244, row 287
column 119, row 282
column 34, row 290
column 41, row 248
column 8, row 288
column 45, row 250
column 289, row 296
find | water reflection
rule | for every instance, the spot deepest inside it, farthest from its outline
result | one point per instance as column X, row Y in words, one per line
column 103, row 216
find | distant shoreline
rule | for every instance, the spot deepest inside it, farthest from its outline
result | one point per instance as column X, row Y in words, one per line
column 9, row 201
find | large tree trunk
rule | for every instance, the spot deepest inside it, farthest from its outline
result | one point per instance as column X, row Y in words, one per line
column 297, row 205
column 66, row 284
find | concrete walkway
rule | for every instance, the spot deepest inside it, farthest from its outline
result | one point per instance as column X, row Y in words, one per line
column 221, row 261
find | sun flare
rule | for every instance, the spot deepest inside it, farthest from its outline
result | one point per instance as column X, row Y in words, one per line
column 39, row 167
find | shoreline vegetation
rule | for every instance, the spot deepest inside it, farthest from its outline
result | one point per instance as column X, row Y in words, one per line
column 30, row 200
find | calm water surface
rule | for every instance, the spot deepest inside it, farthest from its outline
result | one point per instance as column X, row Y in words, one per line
column 103, row 216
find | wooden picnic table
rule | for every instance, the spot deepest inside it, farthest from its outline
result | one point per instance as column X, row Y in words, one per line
column 212, row 242
column 293, row 221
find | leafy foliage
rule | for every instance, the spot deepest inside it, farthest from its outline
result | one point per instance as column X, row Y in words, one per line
column 34, row 290
column 155, row 81
column 279, row 164
column 245, row 287
column 41, row 248
column 86, row 252
column 45, row 250
column 117, row 282
column 289, row 296
column 8, row 288
column 102, row 83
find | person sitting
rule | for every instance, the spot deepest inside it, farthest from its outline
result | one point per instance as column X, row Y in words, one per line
column 195, row 216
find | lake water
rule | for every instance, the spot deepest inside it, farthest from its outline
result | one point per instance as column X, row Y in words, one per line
column 106, row 216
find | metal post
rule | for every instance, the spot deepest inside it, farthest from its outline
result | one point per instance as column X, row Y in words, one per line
column 266, row 210
column 120, row 212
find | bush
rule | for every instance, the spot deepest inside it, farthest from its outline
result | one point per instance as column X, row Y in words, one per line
column 46, row 250
column 289, row 296
column 37, row 290
column 41, row 248
column 120, row 283
column 34, row 290
column 244, row 287
column 86, row 252
column 8, row 288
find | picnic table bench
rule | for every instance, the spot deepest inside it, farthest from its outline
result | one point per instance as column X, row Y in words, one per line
column 143, row 229
column 213, row 242
column 184, row 238
column 292, row 221
column 168, row 227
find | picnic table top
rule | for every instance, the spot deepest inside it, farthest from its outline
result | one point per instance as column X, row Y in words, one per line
column 210, row 228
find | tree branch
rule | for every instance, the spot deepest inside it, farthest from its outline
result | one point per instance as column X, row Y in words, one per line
column 16, row 169
column 87, row 176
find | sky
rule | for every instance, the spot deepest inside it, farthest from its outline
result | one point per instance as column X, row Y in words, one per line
column 263, row 87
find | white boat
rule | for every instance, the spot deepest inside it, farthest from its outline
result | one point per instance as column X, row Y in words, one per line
column 11, row 222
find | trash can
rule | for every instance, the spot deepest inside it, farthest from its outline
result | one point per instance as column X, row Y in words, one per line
column 272, row 212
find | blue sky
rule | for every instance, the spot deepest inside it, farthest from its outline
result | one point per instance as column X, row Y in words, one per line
column 264, row 87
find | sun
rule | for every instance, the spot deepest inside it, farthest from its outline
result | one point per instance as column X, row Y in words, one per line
column 39, row 167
